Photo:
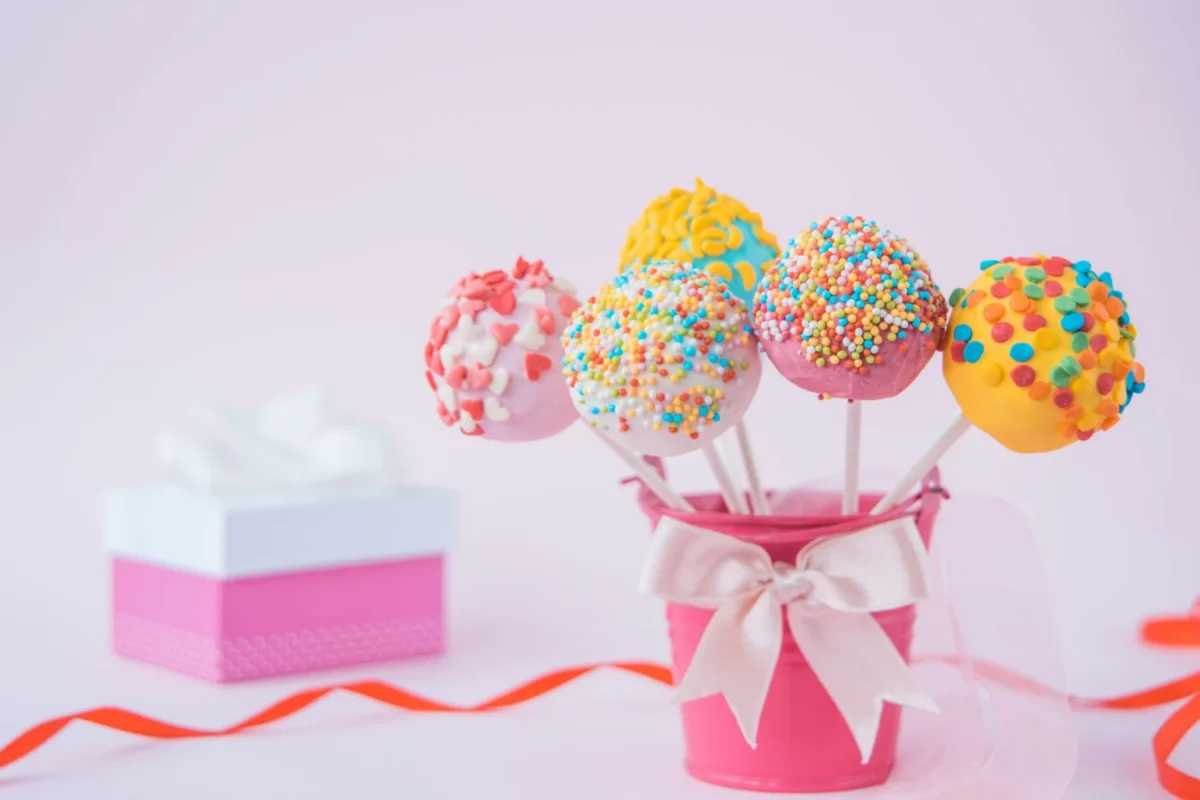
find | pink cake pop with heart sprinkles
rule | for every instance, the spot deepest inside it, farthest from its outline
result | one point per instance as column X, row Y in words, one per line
column 850, row 311
column 493, row 354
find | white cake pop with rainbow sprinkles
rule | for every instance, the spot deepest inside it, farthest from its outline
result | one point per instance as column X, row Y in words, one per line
column 662, row 359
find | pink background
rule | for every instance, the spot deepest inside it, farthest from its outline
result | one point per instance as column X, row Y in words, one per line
column 238, row 199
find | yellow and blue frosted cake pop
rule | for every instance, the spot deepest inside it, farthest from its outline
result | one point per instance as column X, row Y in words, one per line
column 1042, row 353
column 712, row 231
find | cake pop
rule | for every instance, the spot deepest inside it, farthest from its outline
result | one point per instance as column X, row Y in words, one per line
column 850, row 311
column 662, row 359
column 719, row 235
column 1043, row 353
column 1042, row 356
column 492, row 351
column 712, row 231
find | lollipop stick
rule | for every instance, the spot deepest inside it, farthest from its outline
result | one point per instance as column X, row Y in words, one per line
column 725, row 446
column 853, row 451
column 923, row 465
column 758, row 499
column 654, row 482
column 733, row 500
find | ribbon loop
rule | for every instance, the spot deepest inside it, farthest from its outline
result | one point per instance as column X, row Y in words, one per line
column 827, row 598
column 294, row 441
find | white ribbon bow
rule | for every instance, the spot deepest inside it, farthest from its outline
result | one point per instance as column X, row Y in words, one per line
column 828, row 594
column 291, row 442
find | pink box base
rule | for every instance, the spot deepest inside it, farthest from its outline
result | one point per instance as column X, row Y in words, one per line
column 258, row 627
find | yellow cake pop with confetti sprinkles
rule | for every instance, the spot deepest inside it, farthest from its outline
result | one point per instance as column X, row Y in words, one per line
column 1042, row 353
column 712, row 231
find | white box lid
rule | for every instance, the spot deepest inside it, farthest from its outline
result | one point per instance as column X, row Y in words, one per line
column 241, row 536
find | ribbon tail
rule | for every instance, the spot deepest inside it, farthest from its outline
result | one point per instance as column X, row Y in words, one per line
column 736, row 657
column 859, row 667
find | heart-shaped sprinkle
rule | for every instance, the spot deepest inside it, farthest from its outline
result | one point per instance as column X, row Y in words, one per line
column 474, row 408
column 545, row 319
column 447, row 396
column 438, row 335
column 446, row 417
column 495, row 409
column 449, row 353
column 494, row 277
column 521, row 269
column 503, row 331
column 484, row 350
column 532, row 297
column 499, row 380
column 469, row 427
column 476, row 289
column 478, row 377
column 457, row 291
column 449, row 317
column 469, row 329
column 456, row 375
column 535, row 365
column 529, row 336
column 503, row 304
column 567, row 305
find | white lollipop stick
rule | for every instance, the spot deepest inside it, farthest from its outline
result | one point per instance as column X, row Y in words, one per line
column 923, row 465
column 733, row 499
column 726, row 446
column 654, row 482
column 758, row 498
column 853, row 456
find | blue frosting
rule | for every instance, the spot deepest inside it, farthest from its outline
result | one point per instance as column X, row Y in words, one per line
column 752, row 251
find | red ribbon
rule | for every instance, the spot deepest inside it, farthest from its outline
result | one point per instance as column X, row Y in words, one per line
column 1180, row 631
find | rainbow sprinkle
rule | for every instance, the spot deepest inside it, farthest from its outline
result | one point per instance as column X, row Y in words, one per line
column 661, row 347
column 1070, row 312
column 845, row 288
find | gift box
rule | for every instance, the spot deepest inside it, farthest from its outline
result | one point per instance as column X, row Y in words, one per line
column 232, row 570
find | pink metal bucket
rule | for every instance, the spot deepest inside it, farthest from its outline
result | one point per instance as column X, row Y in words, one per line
column 804, row 745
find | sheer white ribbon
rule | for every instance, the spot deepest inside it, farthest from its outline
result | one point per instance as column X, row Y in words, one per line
column 826, row 597
column 294, row 441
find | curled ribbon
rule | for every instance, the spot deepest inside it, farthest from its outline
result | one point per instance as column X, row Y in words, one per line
column 827, row 598
column 1174, row 780
column 291, row 442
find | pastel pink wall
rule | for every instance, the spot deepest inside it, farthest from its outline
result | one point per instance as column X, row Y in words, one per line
column 237, row 199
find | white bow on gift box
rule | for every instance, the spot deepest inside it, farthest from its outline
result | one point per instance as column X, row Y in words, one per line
column 827, row 598
column 294, row 441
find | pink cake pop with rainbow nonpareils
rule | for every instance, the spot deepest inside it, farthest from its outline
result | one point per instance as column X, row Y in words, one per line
column 494, row 351
column 850, row 311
